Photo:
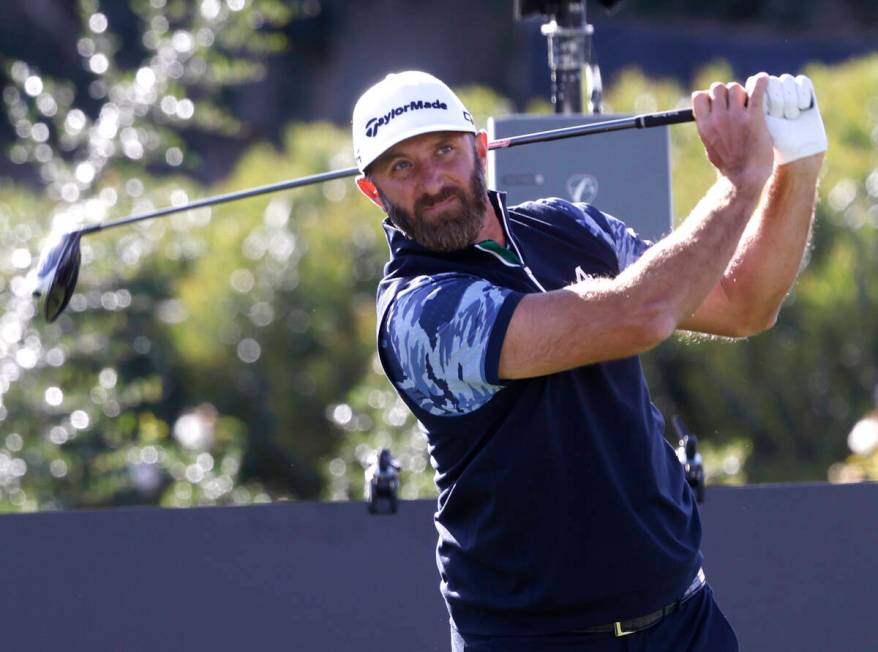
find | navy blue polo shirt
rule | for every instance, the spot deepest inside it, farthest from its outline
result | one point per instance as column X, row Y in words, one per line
column 561, row 506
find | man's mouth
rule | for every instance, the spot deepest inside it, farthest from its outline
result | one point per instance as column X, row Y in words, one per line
column 443, row 203
column 440, row 205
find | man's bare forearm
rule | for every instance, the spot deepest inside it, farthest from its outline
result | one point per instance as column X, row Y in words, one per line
column 770, row 253
column 607, row 318
column 679, row 271
column 604, row 319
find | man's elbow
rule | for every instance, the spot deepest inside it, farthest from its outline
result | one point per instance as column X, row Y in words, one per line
column 654, row 327
column 756, row 323
column 767, row 321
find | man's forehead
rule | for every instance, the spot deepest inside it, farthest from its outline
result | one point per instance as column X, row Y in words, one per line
column 420, row 140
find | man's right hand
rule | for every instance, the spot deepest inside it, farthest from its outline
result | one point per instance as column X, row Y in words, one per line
column 731, row 124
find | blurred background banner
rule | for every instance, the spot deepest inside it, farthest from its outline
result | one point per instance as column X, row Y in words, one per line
column 226, row 355
column 320, row 576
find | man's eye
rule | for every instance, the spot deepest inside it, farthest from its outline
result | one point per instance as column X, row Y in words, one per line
column 445, row 149
column 399, row 166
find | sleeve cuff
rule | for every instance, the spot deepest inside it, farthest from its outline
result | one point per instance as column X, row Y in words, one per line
column 498, row 334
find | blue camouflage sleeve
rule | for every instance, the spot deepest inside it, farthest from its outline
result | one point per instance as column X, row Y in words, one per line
column 442, row 337
column 628, row 245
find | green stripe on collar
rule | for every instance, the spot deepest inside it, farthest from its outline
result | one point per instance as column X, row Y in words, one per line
column 506, row 254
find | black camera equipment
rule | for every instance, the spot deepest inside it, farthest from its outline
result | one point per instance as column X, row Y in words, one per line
column 570, row 49
column 690, row 458
column 382, row 482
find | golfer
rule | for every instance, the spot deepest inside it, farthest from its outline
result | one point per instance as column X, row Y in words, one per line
column 513, row 332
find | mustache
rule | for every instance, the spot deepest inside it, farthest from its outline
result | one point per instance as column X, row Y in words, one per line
column 431, row 200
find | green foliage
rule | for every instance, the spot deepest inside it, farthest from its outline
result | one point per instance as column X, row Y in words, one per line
column 374, row 417
column 192, row 52
column 227, row 355
column 88, row 411
column 293, row 278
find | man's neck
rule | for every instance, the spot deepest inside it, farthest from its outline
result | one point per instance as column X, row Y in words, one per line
column 492, row 229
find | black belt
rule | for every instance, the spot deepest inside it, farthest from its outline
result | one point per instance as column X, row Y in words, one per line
column 633, row 625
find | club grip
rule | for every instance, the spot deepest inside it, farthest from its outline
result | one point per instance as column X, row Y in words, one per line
column 664, row 118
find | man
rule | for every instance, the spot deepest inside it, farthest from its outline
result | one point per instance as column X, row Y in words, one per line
column 564, row 518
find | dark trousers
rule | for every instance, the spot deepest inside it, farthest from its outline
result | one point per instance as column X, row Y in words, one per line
column 697, row 626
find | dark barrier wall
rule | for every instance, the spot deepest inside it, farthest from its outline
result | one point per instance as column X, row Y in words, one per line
column 793, row 567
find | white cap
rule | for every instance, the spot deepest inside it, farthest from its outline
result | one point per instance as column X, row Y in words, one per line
column 403, row 105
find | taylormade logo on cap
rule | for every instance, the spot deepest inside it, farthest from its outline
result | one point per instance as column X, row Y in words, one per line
column 375, row 123
column 401, row 106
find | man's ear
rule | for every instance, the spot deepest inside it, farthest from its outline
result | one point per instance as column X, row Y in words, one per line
column 482, row 147
column 368, row 188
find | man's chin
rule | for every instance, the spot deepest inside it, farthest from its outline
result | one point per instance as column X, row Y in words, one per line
column 446, row 245
column 443, row 249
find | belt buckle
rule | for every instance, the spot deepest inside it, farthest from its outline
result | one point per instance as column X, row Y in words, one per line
column 618, row 631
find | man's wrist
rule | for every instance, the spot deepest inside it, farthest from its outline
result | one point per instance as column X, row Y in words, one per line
column 807, row 167
column 747, row 186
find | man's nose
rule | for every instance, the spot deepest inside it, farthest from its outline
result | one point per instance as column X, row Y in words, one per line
column 431, row 180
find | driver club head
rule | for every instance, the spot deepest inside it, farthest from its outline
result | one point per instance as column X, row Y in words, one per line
column 57, row 273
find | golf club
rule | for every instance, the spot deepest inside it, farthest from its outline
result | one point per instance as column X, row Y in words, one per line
column 58, row 268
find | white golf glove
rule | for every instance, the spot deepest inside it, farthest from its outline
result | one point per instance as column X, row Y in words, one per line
column 793, row 118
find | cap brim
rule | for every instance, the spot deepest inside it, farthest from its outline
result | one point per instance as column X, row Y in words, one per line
column 417, row 131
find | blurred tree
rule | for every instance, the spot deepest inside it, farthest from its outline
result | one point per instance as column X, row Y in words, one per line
column 179, row 66
column 283, row 307
column 228, row 355
column 90, row 409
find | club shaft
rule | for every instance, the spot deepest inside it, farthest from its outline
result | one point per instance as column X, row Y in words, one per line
column 227, row 197
column 641, row 121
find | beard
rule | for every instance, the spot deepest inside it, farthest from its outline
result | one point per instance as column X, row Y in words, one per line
column 453, row 229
